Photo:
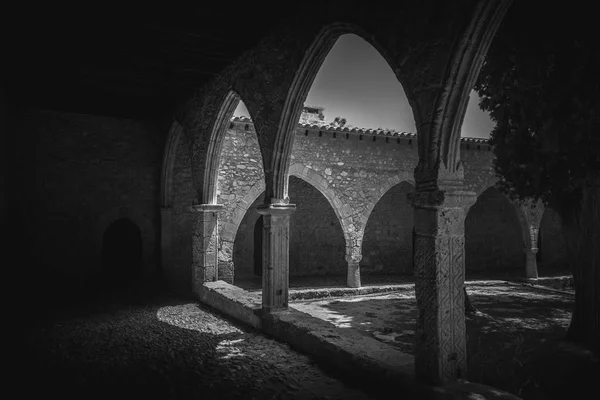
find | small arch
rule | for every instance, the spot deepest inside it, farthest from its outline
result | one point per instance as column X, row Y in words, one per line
column 493, row 236
column 122, row 253
column 318, row 241
column 388, row 235
column 552, row 249
column 217, row 135
column 148, row 234
column 316, row 180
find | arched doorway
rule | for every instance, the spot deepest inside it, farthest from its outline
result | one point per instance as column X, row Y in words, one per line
column 493, row 238
column 389, row 235
column 552, row 253
column 122, row 256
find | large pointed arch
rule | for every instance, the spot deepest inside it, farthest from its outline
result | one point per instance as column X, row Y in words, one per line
column 439, row 136
column 299, row 88
column 215, row 146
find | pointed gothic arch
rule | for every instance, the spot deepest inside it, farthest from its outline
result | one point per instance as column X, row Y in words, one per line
column 299, row 88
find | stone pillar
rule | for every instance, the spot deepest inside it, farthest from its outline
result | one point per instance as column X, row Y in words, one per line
column 205, row 240
column 276, row 253
column 353, row 278
column 166, row 237
column 439, row 261
column 531, row 270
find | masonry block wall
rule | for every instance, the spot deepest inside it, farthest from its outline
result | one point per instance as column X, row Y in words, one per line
column 363, row 179
column 75, row 175
column 388, row 245
column 178, row 268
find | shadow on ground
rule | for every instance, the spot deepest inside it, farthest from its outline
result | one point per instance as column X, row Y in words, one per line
column 508, row 339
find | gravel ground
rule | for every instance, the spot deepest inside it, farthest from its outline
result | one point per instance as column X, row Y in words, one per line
column 164, row 349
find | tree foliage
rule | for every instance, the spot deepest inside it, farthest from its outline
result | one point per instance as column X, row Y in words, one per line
column 541, row 84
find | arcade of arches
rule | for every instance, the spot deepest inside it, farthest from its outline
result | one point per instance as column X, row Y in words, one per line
column 193, row 211
column 350, row 191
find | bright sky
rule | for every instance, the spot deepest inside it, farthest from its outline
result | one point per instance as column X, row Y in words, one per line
column 355, row 82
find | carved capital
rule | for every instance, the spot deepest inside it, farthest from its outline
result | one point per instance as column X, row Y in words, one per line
column 276, row 209
column 207, row 208
column 439, row 177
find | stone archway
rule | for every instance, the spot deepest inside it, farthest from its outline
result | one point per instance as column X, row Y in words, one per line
column 493, row 236
column 551, row 244
column 388, row 238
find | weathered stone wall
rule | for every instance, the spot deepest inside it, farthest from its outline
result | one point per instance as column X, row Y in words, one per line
column 364, row 178
column 493, row 240
column 317, row 245
column 387, row 244
column 73, row 176
column 551, row 243
column 178, row 272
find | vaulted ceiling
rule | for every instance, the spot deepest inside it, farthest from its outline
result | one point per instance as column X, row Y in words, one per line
column 126, row 60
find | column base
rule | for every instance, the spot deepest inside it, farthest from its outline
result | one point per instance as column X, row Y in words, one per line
column 531, row 270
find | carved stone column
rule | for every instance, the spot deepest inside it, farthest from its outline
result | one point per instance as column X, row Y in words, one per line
column 276, row 253
column 353, row 259
column 439, row 261
column 531, row 270
column 205, row 240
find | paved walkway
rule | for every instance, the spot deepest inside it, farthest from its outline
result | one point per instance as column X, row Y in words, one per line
column 165, row 349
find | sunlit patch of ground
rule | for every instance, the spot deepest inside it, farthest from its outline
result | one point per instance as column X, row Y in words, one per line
column 503, row 338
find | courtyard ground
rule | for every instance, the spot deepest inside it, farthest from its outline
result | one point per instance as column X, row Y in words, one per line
column 161, row 348
column 514, row 341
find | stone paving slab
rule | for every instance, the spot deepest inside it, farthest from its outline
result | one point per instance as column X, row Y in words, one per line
column 348, row 350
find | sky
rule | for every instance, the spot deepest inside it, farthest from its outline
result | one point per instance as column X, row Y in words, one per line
column 355, row 82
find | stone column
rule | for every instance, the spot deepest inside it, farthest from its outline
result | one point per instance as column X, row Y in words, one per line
column 166, row 237
column 531, row 270
column 276, row 253
column 205, row 240
column 440, row 336
column 353, row 278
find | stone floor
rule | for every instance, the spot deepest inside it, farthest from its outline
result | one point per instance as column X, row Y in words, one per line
column 162, row 348
column 390, row 317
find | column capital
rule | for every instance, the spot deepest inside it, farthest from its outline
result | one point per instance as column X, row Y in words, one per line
column 204, row 208
column 276, row 209
column 442, row 199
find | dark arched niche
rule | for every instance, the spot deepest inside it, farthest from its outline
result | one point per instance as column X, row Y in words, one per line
column 122, row 255
column 493, row 238
column 388, row 239
column 551, row 243
column 245, row 248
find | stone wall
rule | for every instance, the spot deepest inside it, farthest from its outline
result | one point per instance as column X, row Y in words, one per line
column 363, row 178
column 387, row 244
column 73, row 176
